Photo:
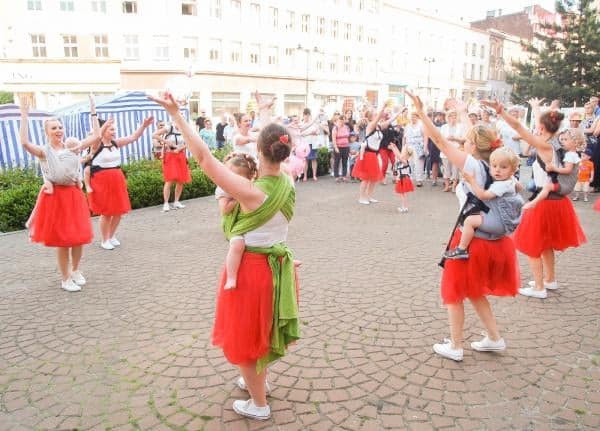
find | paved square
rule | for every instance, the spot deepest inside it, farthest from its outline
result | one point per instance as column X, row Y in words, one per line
column 132, row 350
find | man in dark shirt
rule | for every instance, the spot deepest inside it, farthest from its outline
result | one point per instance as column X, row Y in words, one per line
column 220, row 135
column 200, row 120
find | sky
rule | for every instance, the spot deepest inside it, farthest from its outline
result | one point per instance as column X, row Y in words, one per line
column 475, row 10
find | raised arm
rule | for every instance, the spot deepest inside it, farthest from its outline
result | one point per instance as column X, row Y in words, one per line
column 32, row 149
column 455, row 156
column 240, row 188
column 121, row 142
column 264, row 108
column 373, row 123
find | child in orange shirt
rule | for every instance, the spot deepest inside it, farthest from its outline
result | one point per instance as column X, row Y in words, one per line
column 586, row 173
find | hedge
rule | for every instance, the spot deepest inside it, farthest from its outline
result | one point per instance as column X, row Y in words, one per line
column 19, row 187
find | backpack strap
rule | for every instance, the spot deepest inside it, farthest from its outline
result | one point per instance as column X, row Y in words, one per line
column 488, row 178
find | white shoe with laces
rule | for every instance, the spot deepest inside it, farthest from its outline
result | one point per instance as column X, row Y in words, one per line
column 241, row 383
column 488, row 345
column 106, row 245
column 178, row 205
column 78, row 278
column 445, row 349
column 166, row 208
column 69, row 286
column 530, row 291
column 114, row 241
column 249, row 409
column 364, row 202
column 550, row 285
column 373, row 201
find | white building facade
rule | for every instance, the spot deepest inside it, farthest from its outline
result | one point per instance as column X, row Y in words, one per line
column 216, row 52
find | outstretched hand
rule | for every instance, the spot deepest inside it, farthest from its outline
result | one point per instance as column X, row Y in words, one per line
column 494, row 104
column 167, row 101
column 535, row 102
column 416, row 100
column 263, row 102
column 469, row 178
column 148, row 121
column 24, row 103
column 92, row 102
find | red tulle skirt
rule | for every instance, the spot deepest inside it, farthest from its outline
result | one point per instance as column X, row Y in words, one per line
column 404, row 185
column 109, row 196
column 61, row 219
column 175, row 168
column 244, row 315
column 550, row 225
column 491, row 269
column 369, row 168
column 597, row 204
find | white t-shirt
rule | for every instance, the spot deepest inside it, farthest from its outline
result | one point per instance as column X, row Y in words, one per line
column 507, row 134
column 249, row 148
column 447, row 130
column 506, row 187
column 571, row 157
column 473, row 167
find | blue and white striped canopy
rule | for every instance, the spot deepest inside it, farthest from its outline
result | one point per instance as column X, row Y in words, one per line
column 129, row 110
column 12, row 154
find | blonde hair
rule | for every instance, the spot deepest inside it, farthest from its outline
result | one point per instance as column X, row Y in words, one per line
column 244, row 161
column 482, row 138
column 578, row 137
column 47, row 122
column 507, row 155
column 71, row 142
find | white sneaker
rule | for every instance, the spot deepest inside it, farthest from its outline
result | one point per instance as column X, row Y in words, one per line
column 530, row 291
column 364, row 202
column 166, row 208
column 373, row 201
column 445, row 349
column 178, row 205
column 114, row 241
column 552, row 285
column 69, row 286
column 78, row 278
column 106, row 245
column 402, row 209
column 242, row 385
column 249, row 409
column 487, row 345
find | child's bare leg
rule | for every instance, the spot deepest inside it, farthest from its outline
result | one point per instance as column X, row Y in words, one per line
column 87, row 179
column 471, row 223
column 232, row 262
column 48, row 187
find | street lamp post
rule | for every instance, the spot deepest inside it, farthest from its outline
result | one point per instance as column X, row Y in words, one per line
column 429, row 60
column 307, row 51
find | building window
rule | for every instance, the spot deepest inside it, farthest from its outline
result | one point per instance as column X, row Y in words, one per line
column 291, row 21
column 34, row 4
column 70, row 45
column 101, row 45
column 347, row 31
column 465, row 71
column 130, row 7
column 132, row 46
column 67, row 6
column 254, row 53
column 359, row 65
column 188, row 7
column 214, row 51
column 474, row 51
column 371, row 39
column 274, row 14
column 38, row 44
column 334, row 28
column 321, row 25
column 161, row 47
column 272, row 56
column 482, row 51
column 332, row 63
column 235, row 52
column 225, row 103
column 346, row 64
column 481, row 78
column 99, row 6
column 305, row 23
column 472, row 71
column 319, row 62
column 361, row 4
column 293, row 104
column 190, row 48
column 216, row 9
column 360, row 33
column 255, row 13
column 236, row 10
column 466, row 48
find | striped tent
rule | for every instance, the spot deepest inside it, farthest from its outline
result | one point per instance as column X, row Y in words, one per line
column 128, row 110
column 12, row 154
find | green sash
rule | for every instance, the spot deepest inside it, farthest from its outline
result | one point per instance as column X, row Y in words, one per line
column 281, row 196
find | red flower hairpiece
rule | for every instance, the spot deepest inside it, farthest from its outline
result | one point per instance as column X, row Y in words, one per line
column 284, row 139
column 496, row 144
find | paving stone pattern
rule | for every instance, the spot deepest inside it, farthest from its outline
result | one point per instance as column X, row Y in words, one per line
column 132, row 350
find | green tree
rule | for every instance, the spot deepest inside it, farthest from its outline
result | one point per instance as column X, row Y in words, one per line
column 6, row 97
column 567, row 67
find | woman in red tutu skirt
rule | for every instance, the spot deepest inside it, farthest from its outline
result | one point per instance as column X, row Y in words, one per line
column 174, row 164
column 60, row 219
column 368, row 164
column 109, row 197
column 552, row 224
column 256, row 319
column 492, row 266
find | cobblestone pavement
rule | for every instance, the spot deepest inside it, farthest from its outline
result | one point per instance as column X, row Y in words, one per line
column 132, row 350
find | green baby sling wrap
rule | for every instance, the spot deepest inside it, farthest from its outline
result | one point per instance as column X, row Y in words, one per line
column 281, row 196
